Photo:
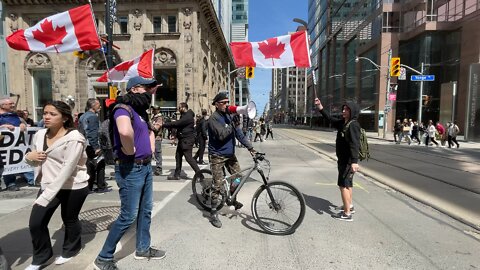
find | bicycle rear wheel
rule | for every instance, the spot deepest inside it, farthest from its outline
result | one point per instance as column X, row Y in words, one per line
column 202, row 188
column 282, row 216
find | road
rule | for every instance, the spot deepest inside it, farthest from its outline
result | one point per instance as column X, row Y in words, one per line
column 390, row 229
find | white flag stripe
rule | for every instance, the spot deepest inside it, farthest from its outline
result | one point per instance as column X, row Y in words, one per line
column 70, row 42
column 286, row 58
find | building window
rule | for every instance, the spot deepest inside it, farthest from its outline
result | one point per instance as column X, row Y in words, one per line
column 42, row 90
column 123, row 24
column 157, row 24
column 172, row 24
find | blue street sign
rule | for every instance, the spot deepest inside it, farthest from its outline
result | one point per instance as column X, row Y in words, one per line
column 428, row 78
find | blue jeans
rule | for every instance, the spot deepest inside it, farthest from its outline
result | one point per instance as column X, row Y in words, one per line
column 10, row 179
column 135, row 183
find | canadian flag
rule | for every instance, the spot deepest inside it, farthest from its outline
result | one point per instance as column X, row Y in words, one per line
column 72, row 30
column 140, row 66
column 278, row 52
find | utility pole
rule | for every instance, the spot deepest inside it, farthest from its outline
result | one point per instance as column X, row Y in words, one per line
column 296, row 94
column 386, row 95
column 420, row 97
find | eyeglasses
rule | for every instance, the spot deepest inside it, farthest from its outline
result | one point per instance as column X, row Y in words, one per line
column 223, row 102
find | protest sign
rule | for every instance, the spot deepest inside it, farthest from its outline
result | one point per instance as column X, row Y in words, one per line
column 13, row 147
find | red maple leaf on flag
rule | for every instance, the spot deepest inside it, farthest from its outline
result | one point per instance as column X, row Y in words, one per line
column 49, row 36
column 271, row 49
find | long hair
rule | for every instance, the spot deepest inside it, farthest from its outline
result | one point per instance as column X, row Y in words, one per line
column 65, row 110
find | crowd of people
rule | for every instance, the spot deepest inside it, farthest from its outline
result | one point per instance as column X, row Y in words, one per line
column 414, row 132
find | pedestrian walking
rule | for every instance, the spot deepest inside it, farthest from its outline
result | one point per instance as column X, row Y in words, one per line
column 452, row 134
column 415, row 132
column 89, row 125
column 202, row 136
column 430, row 131
column 407, row 131
column 223, row 129
column 157, row 122
column 398, row 132
column 347, row 146
column 269, row 129
column 441, row 133
column 186, row 139
column 133, row 172
column 258, row 129
column 58, row 156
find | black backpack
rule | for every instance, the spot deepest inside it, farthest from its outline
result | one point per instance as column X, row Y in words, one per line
column 111, row 120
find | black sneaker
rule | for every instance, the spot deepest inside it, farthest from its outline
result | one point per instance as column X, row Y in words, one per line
column 158, row 171
column 173, row 177
column 342, row 216
column 104, row 265
column 102, row 190
column 150, row 254
column 215, row 220
column 13, row 188
column 352, row 209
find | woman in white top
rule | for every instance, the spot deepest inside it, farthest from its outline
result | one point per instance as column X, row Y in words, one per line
column 431, row 133
column 58, row 155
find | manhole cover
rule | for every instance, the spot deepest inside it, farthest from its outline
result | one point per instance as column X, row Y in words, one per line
column 98, row 219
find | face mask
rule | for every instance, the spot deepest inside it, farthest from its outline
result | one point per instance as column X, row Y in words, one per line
column 139, row 102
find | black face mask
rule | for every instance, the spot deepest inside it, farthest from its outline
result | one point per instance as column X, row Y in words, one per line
column 139, row 102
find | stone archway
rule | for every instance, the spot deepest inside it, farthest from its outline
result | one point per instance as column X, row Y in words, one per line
column 166, row 71
column 39, row 86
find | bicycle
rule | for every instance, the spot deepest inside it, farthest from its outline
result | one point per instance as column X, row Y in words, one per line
column 277, row 207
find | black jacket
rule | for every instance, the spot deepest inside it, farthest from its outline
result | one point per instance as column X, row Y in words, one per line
column 184, row 125
column 347, row 143
column 201, row 128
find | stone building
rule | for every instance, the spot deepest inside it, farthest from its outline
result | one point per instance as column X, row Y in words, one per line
column 191, row 55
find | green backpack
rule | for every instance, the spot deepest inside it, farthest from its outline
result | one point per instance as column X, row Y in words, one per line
column 363, row 151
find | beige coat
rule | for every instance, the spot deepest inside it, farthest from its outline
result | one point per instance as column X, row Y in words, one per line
column 64, row 167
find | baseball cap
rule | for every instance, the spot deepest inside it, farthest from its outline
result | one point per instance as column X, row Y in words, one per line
column 137, row 80
column 219, row 96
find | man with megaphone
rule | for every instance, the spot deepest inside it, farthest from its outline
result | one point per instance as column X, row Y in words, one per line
column 223, row 129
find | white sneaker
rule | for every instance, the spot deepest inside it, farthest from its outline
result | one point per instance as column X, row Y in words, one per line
column 61, row 260
column 33, row 267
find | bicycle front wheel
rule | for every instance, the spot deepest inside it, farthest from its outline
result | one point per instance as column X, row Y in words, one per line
column 281, row 212
column 202, row 189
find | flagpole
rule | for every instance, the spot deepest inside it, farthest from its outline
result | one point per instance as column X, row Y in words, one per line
column 109, row 81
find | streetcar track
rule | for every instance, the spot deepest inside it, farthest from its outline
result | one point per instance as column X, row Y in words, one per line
column 316, row 139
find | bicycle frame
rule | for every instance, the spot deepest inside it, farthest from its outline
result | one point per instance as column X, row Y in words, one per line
column 244, row 178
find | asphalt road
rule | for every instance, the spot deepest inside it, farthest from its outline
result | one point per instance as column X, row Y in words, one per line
column 390, row 229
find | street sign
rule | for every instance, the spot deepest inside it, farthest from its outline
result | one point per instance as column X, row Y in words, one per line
column 403, row 74
column 428, row 78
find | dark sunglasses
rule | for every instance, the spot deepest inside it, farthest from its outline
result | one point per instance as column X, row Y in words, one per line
column 223, row 102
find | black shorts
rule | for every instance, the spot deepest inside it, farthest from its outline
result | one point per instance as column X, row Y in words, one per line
column 345, row 175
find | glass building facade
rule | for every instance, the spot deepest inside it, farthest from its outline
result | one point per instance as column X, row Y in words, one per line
column 443, row 35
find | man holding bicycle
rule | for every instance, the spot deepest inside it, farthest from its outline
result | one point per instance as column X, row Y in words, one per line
column 223, row 128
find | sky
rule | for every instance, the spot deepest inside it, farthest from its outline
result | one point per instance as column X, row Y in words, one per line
column 267, row 19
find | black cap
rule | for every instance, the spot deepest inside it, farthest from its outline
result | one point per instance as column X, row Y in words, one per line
column 219, row 96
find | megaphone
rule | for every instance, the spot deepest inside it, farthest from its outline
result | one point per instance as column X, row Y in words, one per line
column 250, row 109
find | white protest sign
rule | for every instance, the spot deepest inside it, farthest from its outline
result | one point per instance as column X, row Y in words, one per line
column 13, row 147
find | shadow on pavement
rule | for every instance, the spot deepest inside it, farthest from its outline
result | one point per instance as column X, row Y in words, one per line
column 319, row 205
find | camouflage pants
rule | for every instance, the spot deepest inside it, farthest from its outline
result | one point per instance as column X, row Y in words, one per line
column 216, row 165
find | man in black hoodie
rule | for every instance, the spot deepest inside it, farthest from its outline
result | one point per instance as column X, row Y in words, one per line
column 347, row 145
column 186, row 139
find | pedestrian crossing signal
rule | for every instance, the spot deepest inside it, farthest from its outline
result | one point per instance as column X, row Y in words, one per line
column 249, row 72
column 395, row 67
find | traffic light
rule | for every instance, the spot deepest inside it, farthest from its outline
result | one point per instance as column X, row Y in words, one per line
column 249, row 72
column 395, row 67
column 113, row 92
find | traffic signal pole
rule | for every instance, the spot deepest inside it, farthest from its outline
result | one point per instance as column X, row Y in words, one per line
column 420, row 105
column 385, row 113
